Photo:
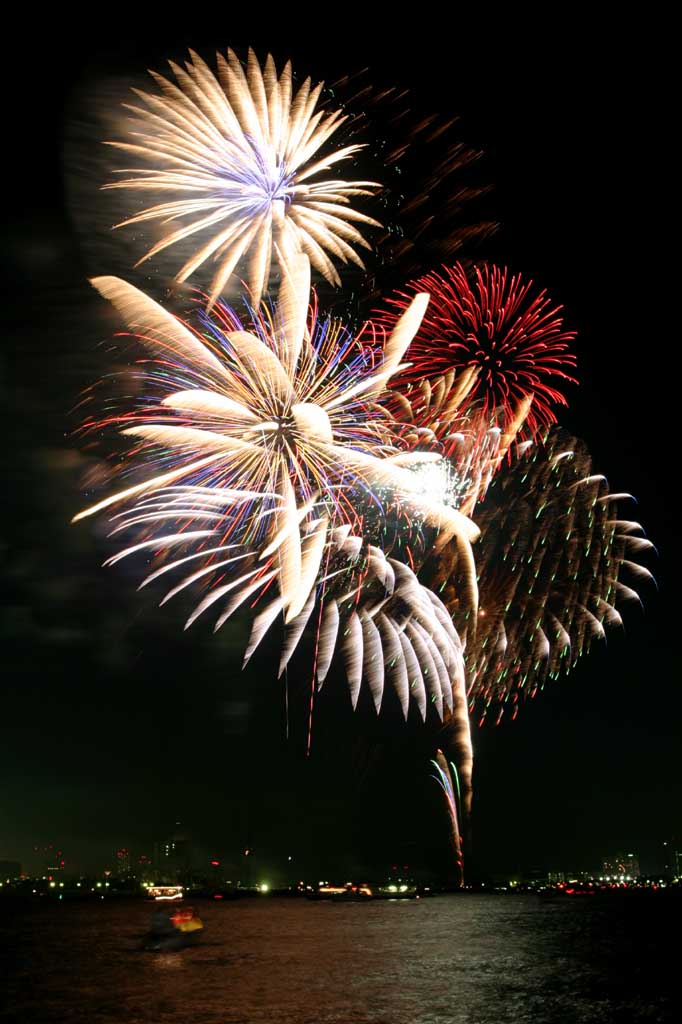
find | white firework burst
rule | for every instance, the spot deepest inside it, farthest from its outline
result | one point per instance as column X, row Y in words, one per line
column 277, row 430
column 241, row 153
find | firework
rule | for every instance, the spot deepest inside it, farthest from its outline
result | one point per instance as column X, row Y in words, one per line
column 372, row 613
column 440, row 217
column 472, row 448
column 550, row 561
column 246, row 161
column 444, row 774
column 499, row 326
column 394, row 629
column 330, row 483
column 258, row 452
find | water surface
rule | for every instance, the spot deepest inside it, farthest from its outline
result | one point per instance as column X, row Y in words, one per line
column 461, row 959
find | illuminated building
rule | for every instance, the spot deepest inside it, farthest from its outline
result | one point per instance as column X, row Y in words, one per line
column 172, row 856
column 123, row 862
column 672, row 858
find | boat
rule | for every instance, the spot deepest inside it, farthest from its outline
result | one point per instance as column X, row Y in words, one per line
column 171, row 933
column 348, row 893
column 164, row 893
column 397, row 891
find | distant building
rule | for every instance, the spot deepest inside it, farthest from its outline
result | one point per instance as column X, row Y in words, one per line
column 561, row 877
column 621, row 864
column 123, row 862
column 672, row 858
column 534, row 876
column 173, row 856
column 144, row 868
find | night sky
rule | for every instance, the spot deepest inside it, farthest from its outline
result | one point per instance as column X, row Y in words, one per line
column 114, row 723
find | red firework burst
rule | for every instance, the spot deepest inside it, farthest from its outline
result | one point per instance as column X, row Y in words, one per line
column 499, row 324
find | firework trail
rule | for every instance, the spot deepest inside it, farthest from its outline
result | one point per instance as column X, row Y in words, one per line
column 248, row 158
column 258, row 449
column 444, row 774
column 430, row 420
column 497, row 325
column 550, row 560
column 335, row 483
column 440, row 218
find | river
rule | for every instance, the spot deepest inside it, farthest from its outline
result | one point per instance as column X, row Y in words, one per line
column 458, row 959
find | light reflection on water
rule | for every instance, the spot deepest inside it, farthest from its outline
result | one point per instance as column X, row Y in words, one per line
column 448, row 960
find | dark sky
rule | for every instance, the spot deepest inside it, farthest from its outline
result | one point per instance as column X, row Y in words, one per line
column 114, row 723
